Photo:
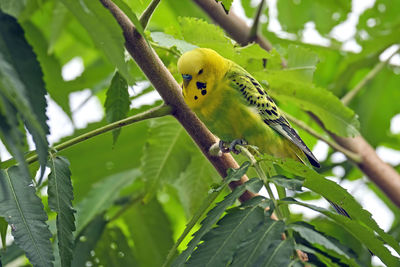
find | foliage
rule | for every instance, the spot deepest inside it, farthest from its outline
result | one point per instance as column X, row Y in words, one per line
column 125, row 203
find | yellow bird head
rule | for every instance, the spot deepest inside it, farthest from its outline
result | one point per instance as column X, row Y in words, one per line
column 200, row 68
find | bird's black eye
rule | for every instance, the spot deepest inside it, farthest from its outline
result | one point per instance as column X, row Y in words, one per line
column 200, row 72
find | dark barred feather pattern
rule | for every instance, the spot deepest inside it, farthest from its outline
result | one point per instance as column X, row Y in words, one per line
column 255, row 96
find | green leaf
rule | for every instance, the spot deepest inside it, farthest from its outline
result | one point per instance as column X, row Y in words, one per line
column 323, row 258
column 113, row 249
column 226, row 4
column 166, row 153
column 168, row 41
column 102, row 195
column 359, row 231
column 335, row 193
column 203, row 34
column 97, row 155
column 19, row 9
column 22, row 84
column 60, row 19
column 11, row 134
column 289, row 183
column 60, row 194
column 325, row 14
column 194, row 183
column 96, row 74
column 319, row 240
column 10, row 254
column 131, row 15
column 211, row 197
column 87, row 240
column 220, row 244
column 151, row 232
column 377, row 26
column 301, row 62
column 104, row 31
column 3, row 231
column 50, row 65
column 24, row 212
column 117, row 102
column 336, row 117
column 278, row 255
column 253, row 58
column 258, row 242
column 372, row 98
column 249, row 8
column 212, row 217
column 236, row 174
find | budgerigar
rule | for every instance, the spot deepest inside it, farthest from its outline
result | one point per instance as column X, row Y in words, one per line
column 234, row 106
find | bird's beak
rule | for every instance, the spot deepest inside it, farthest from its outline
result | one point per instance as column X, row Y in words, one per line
column 186, row 79
column 185, row 83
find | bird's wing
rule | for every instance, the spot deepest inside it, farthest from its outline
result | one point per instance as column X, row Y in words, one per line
column 255, row 96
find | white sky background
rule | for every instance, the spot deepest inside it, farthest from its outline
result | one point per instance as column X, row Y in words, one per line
column 92, row 110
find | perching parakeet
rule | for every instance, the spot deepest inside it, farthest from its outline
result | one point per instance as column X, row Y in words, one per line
column 234, row 106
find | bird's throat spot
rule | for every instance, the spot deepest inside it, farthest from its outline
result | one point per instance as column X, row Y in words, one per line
column 201, row 85
column 195, row 97
column 203, row 92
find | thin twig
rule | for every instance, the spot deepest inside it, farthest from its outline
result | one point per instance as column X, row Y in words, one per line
column 263, row 177
column 175, row 53
column 378, row 67
column 145, row 17
column 351, row 155
column 235, row 26
column 159, row 111
column 256, row 22
column 141, row 93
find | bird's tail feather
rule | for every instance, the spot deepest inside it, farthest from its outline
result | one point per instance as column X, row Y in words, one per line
column 339, row 209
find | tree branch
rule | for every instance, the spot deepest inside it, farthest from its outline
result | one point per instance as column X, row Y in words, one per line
column 156, row 112
column 378, row 67
column 145, row 17
column 256, row 22
column 354, row 157
column 382, row 174
column 233, row 25
column 168, row 88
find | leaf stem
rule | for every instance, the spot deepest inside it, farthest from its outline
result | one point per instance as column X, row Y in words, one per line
column 159, row 111
column 263, row 177
column 145, row 17
column 154, row 44
column 256, row 23
column 378, row 67
column 351, row 155
column 196, row 217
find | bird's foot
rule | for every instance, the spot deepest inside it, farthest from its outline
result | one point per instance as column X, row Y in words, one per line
column 215, row 150
column 254, row 150
column 223, row 146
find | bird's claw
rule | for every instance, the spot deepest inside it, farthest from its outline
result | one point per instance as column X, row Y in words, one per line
column 232, row 146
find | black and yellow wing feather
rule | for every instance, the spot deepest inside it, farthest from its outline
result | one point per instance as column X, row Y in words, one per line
column 255, row 96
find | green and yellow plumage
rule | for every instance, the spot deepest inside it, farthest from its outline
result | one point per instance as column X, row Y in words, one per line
column 233, row 105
